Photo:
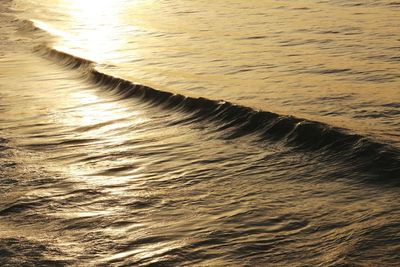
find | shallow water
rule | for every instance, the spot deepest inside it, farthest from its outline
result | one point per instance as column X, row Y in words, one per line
column 331, row 61
column 98, row 170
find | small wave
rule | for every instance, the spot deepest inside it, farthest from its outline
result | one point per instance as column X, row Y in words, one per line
column 3, row 144
column 332, row 71
column 24, row 252
column 394, row 4
column 240, row 120
column 65, row 59
column 27, row 26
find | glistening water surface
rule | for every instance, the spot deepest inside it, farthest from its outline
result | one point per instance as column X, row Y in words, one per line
column 98, row 170
column 331, row 61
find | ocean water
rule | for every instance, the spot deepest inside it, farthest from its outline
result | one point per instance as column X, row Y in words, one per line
column 199, row 133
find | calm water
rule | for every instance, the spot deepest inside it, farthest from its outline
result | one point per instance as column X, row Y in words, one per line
column 267, row 133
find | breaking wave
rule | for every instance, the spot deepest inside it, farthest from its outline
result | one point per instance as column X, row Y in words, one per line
column 237, row 121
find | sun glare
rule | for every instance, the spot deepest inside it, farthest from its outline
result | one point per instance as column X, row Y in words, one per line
column 97, row 33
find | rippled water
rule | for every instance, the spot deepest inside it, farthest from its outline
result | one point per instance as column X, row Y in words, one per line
column 332, row 61
column 97, row 169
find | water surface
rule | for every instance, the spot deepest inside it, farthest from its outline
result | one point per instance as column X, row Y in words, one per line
column 173, row 133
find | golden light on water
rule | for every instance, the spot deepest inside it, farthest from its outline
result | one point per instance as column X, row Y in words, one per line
column 96, row 32
column 95, row 170
column 94, row 119
column 98, row 117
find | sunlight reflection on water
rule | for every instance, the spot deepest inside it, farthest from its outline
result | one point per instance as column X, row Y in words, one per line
column 325, row 61
column 111, row 173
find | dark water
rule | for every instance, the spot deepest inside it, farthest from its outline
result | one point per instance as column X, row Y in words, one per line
column 97, row 170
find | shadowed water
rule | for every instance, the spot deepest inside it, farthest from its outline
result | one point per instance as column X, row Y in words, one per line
column 98, row 170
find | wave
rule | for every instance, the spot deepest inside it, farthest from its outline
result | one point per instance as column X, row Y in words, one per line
column 65, row 59
column 237, row 121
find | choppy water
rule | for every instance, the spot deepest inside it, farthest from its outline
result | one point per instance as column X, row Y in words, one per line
column 97, row 169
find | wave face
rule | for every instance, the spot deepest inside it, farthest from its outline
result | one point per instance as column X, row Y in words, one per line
column 96, row 170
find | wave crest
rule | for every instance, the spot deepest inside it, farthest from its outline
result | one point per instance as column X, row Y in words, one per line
column 239, row 121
